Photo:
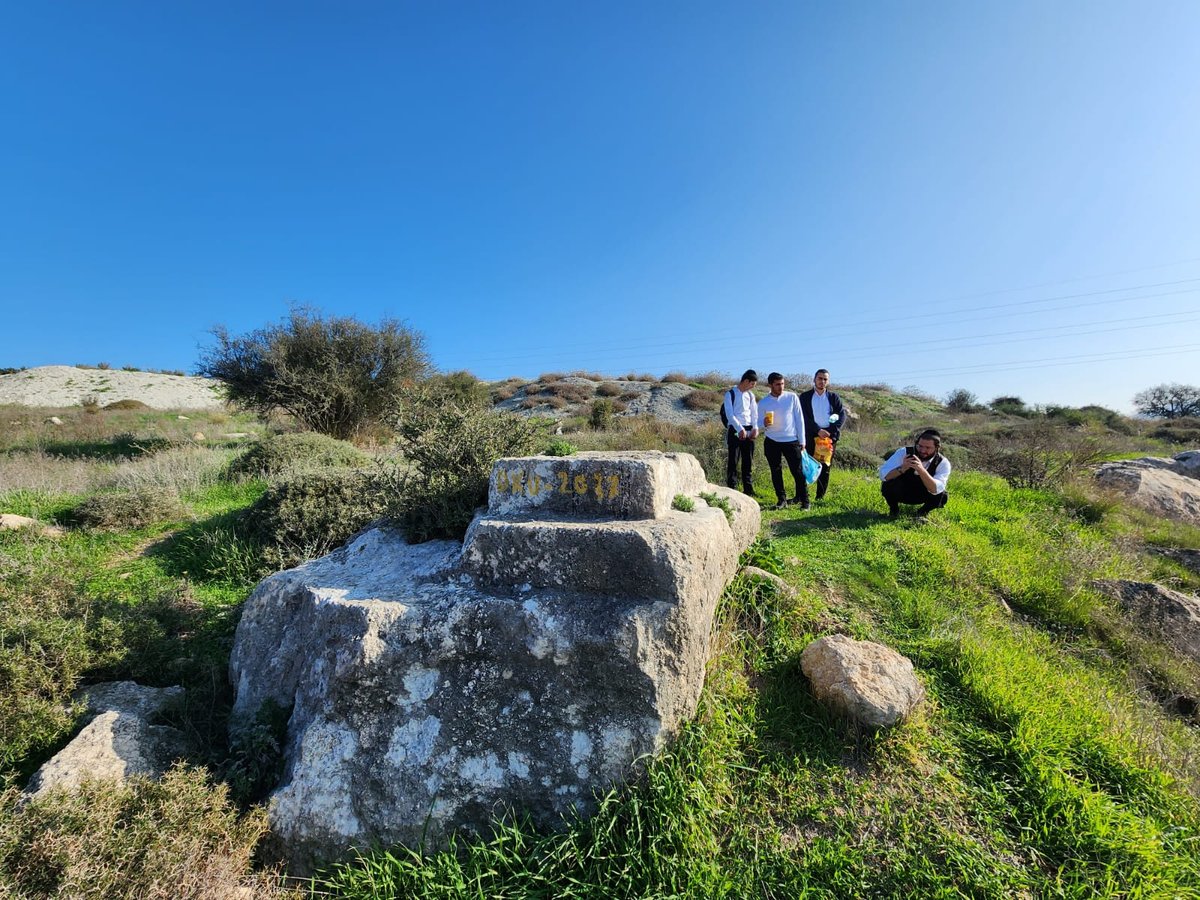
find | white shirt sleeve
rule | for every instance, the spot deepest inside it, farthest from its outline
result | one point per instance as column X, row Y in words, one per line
column 753, row 412
column 893, row 462
column 799, row 414
column 941, row 475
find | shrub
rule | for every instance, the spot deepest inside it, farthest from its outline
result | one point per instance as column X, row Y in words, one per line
column 569, row 391
column 125, row 404
column 90, row 404
column 559, row 447
column 675, row 378
column 1041, row 455
column 449, row 450
column 1011, row 406
column 135, row 508
column 704, row 400
column 178, row 837
column 962, row 401
column 295, row 452
column 335, row 375
column 601, row 413
column 608, row 389
column 461, row 387
column 1179, row 431
column 309, row 513
column 683, row 503
column 852, row 458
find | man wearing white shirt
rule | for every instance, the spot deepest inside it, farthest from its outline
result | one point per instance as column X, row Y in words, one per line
column 741, row 418
column 916, row 474
column 782, row 423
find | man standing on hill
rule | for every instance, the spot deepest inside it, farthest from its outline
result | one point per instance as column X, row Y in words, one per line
column 823, row 415
column 783, row 429
column 740, row 414
column 916, row 474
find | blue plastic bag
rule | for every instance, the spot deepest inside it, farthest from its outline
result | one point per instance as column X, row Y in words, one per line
column 812, row 468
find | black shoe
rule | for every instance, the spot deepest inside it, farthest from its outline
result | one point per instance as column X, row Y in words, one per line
column 806, row 506
column 749, row 492
column 782, row 504
column 893, row 510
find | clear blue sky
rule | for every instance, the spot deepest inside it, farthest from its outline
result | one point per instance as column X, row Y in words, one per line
column 1002, row 196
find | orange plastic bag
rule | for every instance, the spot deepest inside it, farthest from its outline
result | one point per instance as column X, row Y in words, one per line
column 823, row 450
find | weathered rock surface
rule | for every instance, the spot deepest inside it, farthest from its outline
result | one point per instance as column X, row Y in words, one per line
column 871, row 684
column 781, row 587
column 1172, row 616
column 1188, row 463
column 118, row 740
column 1189, row 559
column 435, row 686
column 1166, row 487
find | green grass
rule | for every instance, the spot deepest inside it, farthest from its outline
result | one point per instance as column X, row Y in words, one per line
column 1035, row 768
column 1047, row 762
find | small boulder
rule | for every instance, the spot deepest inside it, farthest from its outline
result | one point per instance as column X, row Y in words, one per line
column 1160, row 486
column 871, row 684
column 118, row 740
column 1188, row 463
column 11, row 522
column 1189, row 559
column 1170, row 615
column 54, row 420
column 781, row 587
column 198, row 436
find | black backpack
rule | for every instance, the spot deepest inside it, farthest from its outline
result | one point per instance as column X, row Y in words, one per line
column 725, row 418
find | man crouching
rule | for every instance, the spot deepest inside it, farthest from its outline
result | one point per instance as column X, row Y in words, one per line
column 916, row 474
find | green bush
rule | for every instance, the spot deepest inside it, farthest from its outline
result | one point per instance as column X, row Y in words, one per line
column 179, row 837
column 601, row 413
column 307, row 514
column 336, row 375
column 852, row 458
column 284, row 453
column 559, row 447
column 125, row 404
column 683, row 503
column 449, row 450
column 135, row 508
column 705, row 400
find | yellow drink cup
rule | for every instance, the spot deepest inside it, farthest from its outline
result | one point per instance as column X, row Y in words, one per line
column 768, row 419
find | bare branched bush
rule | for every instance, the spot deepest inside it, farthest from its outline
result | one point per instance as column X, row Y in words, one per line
column 125, row 509
column 1041, row 455
column 704, row 400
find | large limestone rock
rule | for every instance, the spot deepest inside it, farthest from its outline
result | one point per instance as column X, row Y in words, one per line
column 1170, row 615
column 867, row 682
column 13, row 522
column 435, row 686
column 118, row 740
column 1166, row 487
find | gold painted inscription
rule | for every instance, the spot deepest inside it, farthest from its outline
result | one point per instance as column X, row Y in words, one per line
column 604, row 485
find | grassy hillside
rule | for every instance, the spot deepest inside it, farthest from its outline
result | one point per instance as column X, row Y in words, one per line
column 1057, row 755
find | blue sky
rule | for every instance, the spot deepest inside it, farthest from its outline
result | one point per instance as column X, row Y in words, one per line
column 1001, row 196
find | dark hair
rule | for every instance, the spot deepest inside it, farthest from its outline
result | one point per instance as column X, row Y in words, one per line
column 820, row 372
column 750, row 375
column 774, row 376
column 931, row 434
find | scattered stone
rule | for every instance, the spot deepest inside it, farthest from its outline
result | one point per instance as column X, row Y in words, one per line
column 198, row 436
column 1188, row 463
column 184, row 418
column 1189, row 559
column 1160, row 486
column 434, row 686
column 781, row 587
column 117, row 740
column 12, row 522
column 54, row 420
column 1171, row 616
column 871, row 684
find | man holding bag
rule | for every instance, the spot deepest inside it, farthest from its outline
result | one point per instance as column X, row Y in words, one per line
column 783, row 429
column 823, row 416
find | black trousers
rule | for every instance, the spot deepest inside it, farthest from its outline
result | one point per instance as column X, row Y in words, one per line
column 743, row 450
column 909, row 488
column 776, row 452
column 823, row 479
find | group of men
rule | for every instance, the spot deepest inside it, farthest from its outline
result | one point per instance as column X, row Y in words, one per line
column 790, row 422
